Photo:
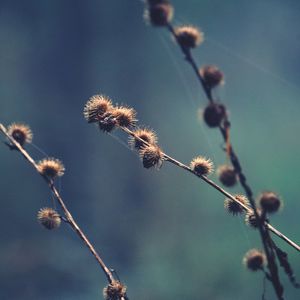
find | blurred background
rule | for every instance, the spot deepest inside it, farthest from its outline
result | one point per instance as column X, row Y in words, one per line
column 165, row 232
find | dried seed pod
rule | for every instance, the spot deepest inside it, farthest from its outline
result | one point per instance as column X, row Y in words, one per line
column 227, row 175
column 269, row 202
column 151, row 156
column 214, row 114
column 201, row 165
column 254, row 260
column 189, row 36
column 160, row 14
column 146, row 135
column 125, row 116
column 49, row 218
column 51, row 167
column 233, row 207
column 114, row 291
column 211, row 76
column 96, row 107
column 251, row 220
column 107, row 122
column 20, row 132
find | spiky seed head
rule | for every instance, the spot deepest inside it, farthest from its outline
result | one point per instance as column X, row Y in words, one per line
column 202, row 165
column 189, row 36
column 49, row 218
column 125, row 116
column 107, row 122
column 233, row 207
column 146, row 135
column 214, row 114
column 160, row 14
column 114, row 291
column 51, row 167
column 227, row 175
column 96, row 107
column 152, row 156
column 211, row 76
column 254, row 260
column 251, row 220
column 269, row 202
column 20, row 132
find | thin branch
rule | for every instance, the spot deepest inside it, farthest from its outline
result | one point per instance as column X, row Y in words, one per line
column 69, row 217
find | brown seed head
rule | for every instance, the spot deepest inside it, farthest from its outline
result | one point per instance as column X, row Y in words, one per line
column 227, row 175
column 233, row 207
column 160, row 14
column 107, row 122
column 254, row 260
column 214, row 114
column 145, row 134
column 20, row 132
column 211, row 76
column 96, row 107
column 151, row 156
column 49, row 218
column 189, row 36
column 269, row 202
column 250, row 219
column 202, row 165
column 51, row 167
column 114, row 291
column 125, row 116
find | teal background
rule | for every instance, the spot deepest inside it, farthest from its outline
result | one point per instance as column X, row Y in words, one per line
column 165, row 232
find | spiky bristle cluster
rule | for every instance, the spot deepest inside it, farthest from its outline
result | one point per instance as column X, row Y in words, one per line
column 233, row 207
column 227, row 175
column 269, row 202
column 51, row 167
column 20, row 132
column 251, row 220
column 99, row 109
column 201, row 165
column 254, row 260
column 114, row 291
column 49, row 218
column 152, row 156
column 142, row 135
column 189, row 36
column 159, row 13
column 96, row 107
column 211, row 76
column 214, row 114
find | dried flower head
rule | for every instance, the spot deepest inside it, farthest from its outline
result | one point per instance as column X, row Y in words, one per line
column 211, row 76
column 146, row 135
column 51, row 167
column 254, row 260
column 227, row 175
column 214, row 114
column 125, row 116
column 49, row 218
column 20, row 132
column 107, row 122
column 151, row 156
column 233, row 207
column 201, row 165
column 114, row 291
column 96, row 107
column 159, row 14
column 269, row 202
column 189, row 36
column 251, row 220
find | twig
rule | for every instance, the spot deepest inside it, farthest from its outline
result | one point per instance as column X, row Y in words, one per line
column 69, row 217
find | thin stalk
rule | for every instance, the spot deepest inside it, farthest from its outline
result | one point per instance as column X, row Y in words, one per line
column 69, row 217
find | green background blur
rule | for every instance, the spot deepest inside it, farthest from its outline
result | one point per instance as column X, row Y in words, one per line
column 165, row 232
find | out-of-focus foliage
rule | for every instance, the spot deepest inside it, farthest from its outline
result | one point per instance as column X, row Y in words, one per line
column 165, row 232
